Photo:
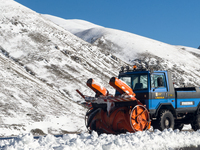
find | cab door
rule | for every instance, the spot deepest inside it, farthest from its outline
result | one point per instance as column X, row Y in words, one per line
column 159, row 90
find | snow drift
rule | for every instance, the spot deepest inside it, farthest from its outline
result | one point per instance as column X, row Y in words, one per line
column 166, row 140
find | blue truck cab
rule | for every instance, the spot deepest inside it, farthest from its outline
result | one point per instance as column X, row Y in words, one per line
column 169, row 107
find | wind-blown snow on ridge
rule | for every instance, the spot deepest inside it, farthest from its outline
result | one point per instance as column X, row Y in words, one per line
column 78, row 25
column 85, row 30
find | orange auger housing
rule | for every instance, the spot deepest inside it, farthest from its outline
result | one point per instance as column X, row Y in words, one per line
column 115, row 114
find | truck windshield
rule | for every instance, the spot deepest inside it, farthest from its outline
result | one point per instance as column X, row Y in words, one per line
column 136, row 82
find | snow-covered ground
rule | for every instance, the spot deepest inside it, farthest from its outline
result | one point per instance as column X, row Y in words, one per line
column 146, row 140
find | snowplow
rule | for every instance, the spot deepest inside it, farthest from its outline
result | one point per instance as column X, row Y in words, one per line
column 143, row 98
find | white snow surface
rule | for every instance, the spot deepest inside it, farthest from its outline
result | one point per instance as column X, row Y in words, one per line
column 146, row 140
column 78, row 25
column 29, row 105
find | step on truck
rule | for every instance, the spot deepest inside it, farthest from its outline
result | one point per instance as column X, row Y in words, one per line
column 143, row 98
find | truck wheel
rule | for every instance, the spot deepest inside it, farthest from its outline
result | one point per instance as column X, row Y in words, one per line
column 165, row 120
column 196, row 123
column 178, row 126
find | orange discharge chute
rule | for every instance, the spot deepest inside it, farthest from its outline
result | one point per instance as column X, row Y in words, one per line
column 122, row 87
column 96, row 87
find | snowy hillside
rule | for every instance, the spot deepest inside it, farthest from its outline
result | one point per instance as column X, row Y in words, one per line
column 182, row 61
column 29, row 105
column 42, row 66
column 51, row 53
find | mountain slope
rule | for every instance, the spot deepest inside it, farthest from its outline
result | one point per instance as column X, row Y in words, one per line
column 26, row 101
column 134, row 49
column 51, row 53
column 42, row 66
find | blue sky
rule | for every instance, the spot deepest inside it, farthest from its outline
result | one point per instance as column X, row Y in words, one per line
column 175, row 22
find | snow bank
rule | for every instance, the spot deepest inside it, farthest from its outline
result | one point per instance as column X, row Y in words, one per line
column 168, row 139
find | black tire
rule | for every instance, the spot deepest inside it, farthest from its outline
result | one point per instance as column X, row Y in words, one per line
column 165, row 120
column 196, row 123
column 178, row 126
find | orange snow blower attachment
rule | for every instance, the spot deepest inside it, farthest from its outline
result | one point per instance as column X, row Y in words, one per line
column 115, row 114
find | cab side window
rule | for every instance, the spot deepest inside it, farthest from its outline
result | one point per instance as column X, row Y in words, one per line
column 158, row 81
